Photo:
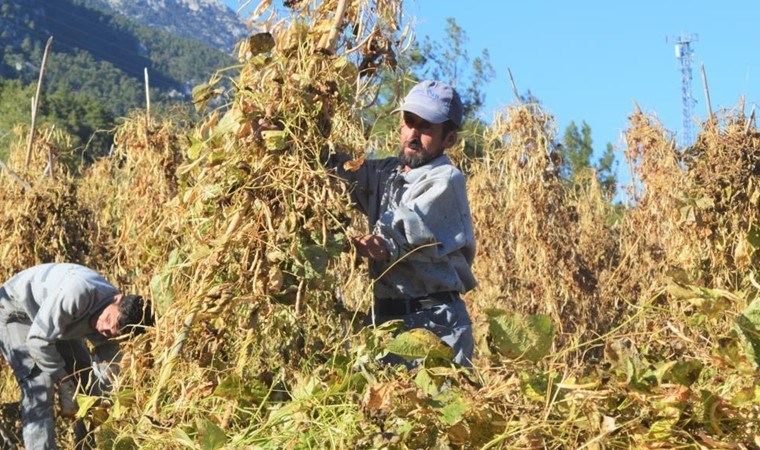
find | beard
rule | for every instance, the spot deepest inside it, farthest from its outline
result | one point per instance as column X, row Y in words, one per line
column 416, row 159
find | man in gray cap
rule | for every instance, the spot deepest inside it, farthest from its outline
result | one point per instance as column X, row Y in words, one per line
column 45, row 312
column 422, row 244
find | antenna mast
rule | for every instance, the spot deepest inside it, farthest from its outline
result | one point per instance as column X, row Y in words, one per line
column 684, row 54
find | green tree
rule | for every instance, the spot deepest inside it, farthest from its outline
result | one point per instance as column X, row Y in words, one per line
column 79, row 114
column 577, row 149
column 15, row 107
column 450, row 61
column 447, row 60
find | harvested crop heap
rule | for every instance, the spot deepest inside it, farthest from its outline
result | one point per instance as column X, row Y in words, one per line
column 667, row 328
column 253, row 229
column 132, row 191
column 43, row 221
column 542, row 245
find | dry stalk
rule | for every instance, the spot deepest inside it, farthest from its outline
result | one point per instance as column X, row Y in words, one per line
column 36, row 104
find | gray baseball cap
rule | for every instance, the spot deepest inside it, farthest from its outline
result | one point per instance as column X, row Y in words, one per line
column 434, row 101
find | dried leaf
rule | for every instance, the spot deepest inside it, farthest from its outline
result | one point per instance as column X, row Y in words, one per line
column 276, row 280
column 379, row 397
column 260, row 43
column 608, row 424
column 716, row 444
column 353, row 165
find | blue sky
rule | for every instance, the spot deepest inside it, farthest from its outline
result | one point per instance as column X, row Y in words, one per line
column 590, row 60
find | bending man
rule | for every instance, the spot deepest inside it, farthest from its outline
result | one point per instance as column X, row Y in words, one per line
column 45, row 312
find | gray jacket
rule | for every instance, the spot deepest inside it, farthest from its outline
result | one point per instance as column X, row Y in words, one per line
column 59, row 299
column 424, row 218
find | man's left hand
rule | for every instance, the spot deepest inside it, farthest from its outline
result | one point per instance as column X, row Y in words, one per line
column 371, row 246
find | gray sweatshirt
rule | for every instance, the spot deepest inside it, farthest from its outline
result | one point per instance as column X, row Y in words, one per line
column 59, row 299
column 410, row 211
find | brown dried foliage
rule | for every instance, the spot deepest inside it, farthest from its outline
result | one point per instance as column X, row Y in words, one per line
column 47, row 223
column 542, row 246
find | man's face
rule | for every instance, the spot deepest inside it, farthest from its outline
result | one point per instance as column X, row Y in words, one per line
column 107, row 322
column 421, row 141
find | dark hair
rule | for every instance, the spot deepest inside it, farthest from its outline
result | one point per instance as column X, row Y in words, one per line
column 448, row 127
column 136, row 313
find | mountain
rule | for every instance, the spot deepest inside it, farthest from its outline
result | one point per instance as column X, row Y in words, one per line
column 95, row 51
column 208, row 21
column 97, row 63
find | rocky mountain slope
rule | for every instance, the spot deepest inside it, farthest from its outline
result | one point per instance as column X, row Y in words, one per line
column 207, row 21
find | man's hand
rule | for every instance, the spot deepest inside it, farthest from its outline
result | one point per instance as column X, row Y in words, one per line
column 371, row 246
column 67, row 398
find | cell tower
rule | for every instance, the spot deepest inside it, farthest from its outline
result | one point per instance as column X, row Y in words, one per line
column 684, row 54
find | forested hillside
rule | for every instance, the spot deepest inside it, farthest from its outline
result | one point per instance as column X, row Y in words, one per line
column 97, row 63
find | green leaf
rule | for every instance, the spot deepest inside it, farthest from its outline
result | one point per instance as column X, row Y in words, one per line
column 229, row 122
column 515, row 335
column 420, row 343
column 205, row 92
column 747, row 329
column 335, row 243
column 718, row 293
column 535, row 386
column 687, row 214
column 274, row 139
column 391, row 326
column 678, row 291
column 711, row 302
column 307, row 387
column 162, row 284
column 678, row 275
column 642, row 383
column 234, row 388
column 161, row 287
column 731, row 350
column 210, row 436
column 182, row 438
column 662, row 370
column 708, row 400
column 125, row 443
column 662, row 429
column 230, row 387
column 315, row 259
column 403, row 426
column 122, row 400
column 754, row 237
column 260, row 61
column 85, row 402
column 426, row 382
column 684, row 373
column 201, row 252
column 454, row 409
column 745, row 396
column 196, row 146
column 704, row 203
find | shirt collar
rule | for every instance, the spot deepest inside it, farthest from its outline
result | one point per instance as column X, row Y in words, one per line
column 414, row 174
